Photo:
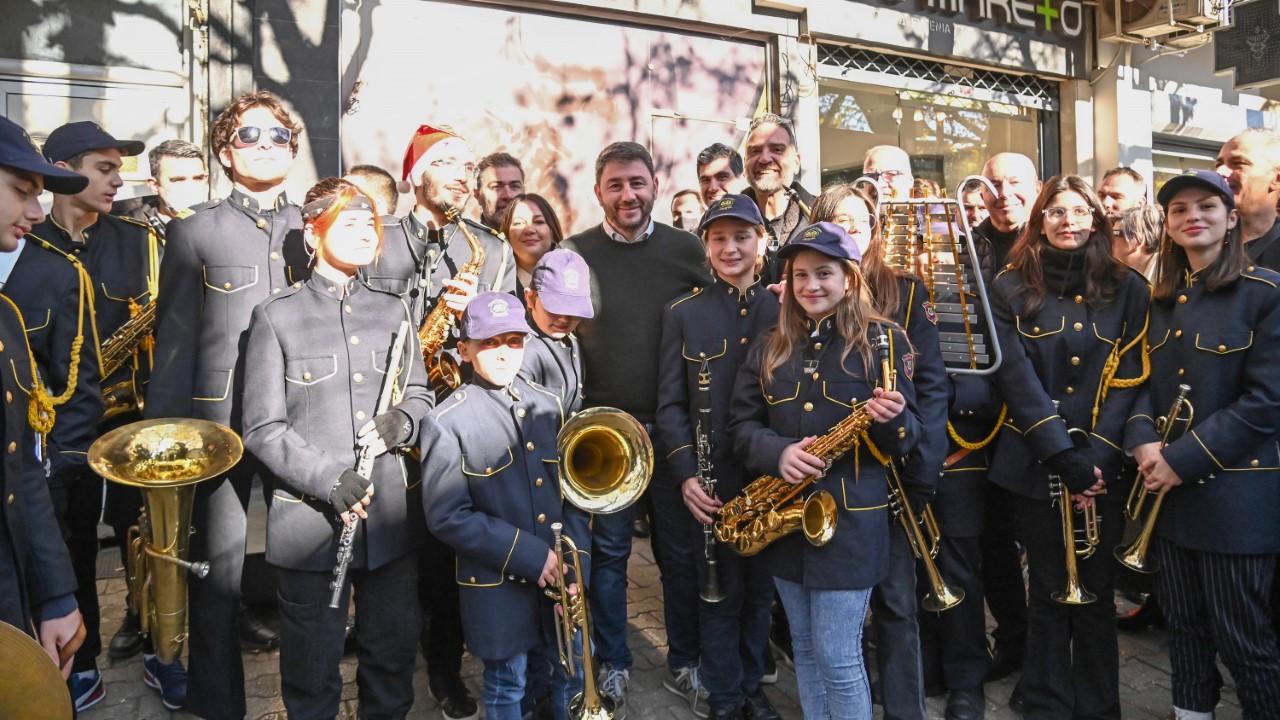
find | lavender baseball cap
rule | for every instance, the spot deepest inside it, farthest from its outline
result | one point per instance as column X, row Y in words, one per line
column 563, row 283
column 492, row 314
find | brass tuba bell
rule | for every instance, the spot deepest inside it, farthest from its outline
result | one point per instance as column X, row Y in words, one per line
column 606, row 460
column 164, row 458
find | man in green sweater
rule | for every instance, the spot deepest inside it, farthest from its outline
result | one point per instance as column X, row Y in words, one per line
column 637, row 267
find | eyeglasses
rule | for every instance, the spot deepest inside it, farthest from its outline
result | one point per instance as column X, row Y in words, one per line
column 455, row 164
column 1058, row 213
column 248, row 136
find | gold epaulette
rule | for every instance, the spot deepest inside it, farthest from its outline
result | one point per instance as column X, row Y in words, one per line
column 692, row 293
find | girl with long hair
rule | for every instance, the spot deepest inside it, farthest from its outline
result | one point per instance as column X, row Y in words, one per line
column 318, row 356
column 824, row 361
column 1071, row 319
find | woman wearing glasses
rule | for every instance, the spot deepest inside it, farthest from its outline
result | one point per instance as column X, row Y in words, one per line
column 1071, row 321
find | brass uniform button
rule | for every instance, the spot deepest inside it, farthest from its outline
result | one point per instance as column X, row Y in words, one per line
column 744, row 341
column 358, row 377
column 902, row 432
column 1177, row 333
column 360, row 415
column 702, row 355
column 1182, row 299
column 1, row 347
column 1070, row 390
column 808, row 407
column 8, row 396
column 471, row 580
column 226, row 286
column 1078, row 327
column 529, row 446
column 1079, row 299
column 261, row 223
column 347, row 309
column 1075, row 361
column 743, row 312
column 13, row 446
column 275, row 291
column 520, row 412
column 11, row 498
column 355, row 339
column 537, row 483
column 817, row 346
column 1222, row 348
column 488, row 470
column 275, row 256
column 542, row 517
column 306, row 376
column 1253, row 463
column 1181, row 370
column 815, row 376
column 1035, row 329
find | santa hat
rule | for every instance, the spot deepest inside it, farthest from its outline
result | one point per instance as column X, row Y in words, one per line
column 425, row 137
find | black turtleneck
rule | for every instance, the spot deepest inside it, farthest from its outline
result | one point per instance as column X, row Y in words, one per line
column 1001, row 242
column 1063, row 270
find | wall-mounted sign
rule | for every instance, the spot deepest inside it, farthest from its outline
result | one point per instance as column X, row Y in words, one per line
column 1251, row 46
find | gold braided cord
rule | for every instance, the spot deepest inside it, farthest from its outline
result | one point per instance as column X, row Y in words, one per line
column 955, row 436
column 1112, row 366
column 40, row 412
column 875, row 451
column 86, row 297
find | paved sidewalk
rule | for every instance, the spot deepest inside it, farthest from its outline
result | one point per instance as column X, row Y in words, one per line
column 1144, row 671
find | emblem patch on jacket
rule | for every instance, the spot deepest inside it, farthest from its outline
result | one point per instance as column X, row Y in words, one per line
column 909, row 365
column 930, row 313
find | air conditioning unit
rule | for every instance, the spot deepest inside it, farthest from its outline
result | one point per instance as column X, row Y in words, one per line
column 1142, row 20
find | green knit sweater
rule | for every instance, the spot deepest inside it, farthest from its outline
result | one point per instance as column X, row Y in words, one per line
column 630, row 285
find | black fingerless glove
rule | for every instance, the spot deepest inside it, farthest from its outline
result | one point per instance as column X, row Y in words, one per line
column 394, row 427
column 1074, row 468
column 349, row 490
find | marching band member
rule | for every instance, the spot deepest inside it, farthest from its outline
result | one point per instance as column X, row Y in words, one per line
column 218, row 264
column 491, row 489
column 317, row 355
column 798, row 382
column 702, row 332
column 558, row 298
column 1070, row 318
column 903, row 298
column 1215, row 325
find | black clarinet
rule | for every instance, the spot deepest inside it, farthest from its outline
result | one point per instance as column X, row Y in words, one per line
column 364, row 467
column 711, row 591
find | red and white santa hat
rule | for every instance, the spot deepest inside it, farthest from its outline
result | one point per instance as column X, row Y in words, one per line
column 415, row 157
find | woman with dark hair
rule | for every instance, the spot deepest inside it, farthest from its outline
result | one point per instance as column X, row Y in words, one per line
column 1071, row 319
column 533, row 229
column 902, row 298
column 1215, row 326
column 817, row 367
column 317, row 357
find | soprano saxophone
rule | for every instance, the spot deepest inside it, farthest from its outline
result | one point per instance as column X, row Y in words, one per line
column 442, row 369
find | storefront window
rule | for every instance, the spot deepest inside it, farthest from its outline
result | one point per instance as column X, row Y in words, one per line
column 948, row 137
column 1171, row 158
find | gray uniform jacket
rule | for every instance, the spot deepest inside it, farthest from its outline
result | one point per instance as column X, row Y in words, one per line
column 218, row 264
column 315, row 363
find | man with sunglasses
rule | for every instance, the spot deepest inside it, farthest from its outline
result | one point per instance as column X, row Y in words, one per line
column 218, row 264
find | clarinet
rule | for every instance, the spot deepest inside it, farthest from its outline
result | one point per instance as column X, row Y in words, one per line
column 364, row 467
column 711, row 590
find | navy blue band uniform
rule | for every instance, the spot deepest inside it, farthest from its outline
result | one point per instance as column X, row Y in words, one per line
column 807, row 396
column 555, row 364
column 491, row 490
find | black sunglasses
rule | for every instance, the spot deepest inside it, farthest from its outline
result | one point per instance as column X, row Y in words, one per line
column 248, row 136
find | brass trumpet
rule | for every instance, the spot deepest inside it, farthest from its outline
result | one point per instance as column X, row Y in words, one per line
column 590, row 704
column 941, row 596
column 1074, row 593
column 1135, row 556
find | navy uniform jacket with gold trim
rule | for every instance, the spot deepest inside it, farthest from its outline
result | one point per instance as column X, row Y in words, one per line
column 716, row 324
column 315, row 364
column 808, row 396
column 410, row 249
column 218, row 265
column 555, row 365
column 34, row 564
column 46, row 288
column 1225, row 345
column 117, row 254
column 1058, row 354
column 491, row 490
column 928, row 374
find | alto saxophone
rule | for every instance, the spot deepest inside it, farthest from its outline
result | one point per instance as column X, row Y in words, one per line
column 771, row 508
column 442, row 369
column 116, row 351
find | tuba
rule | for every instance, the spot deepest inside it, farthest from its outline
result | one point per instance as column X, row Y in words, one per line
column 442, row 370
column 164, row 458
column 1135, row 556
column 606, row 460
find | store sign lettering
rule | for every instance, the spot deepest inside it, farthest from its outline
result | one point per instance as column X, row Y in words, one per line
column 1066, row 18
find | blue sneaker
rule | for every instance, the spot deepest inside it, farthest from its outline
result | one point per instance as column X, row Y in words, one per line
column 170, row 680
column 87, row 689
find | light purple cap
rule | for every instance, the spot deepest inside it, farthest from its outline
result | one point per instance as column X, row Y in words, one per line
column 563, row 283
column 492, row 314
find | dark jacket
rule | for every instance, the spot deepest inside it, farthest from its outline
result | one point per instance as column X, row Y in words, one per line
column 717, row 325
column 491, row 489
column 1265, row 251
column 555, row 365
column 809, row 395
column 928, row 375
column 315, row 364
column 51, row 289
column 1059, row 353
column 35, row 567
column 218, row 265
column 1224, row 344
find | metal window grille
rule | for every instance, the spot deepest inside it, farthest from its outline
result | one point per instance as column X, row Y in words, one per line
column 844, row 57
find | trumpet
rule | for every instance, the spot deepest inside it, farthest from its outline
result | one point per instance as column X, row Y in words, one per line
column 590, row 704
column 1074, row 593
column 1135, row 556
column 712, row 591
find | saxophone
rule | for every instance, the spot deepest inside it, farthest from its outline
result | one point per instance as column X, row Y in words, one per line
column 116, row 351
column 442, row 369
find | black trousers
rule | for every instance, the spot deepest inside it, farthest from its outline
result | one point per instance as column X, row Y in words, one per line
column 1002, row 584
column 735, row 631
column 215, row 671
column 1219, row 605
column 312, row 634
column 1072, row 667
column 673, row 538
column 77, row 503
column 954, row 643
column 441, row 635
column 894, row 610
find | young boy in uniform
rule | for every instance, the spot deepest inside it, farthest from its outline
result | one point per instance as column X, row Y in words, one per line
column 558, row 298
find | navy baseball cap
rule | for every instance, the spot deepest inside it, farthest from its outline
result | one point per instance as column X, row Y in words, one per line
column 563, row 283
column 730, row 205
column 77, row 137
column 827, row 238
column 1206, row 179
column 492, row 314
column 18, row 152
